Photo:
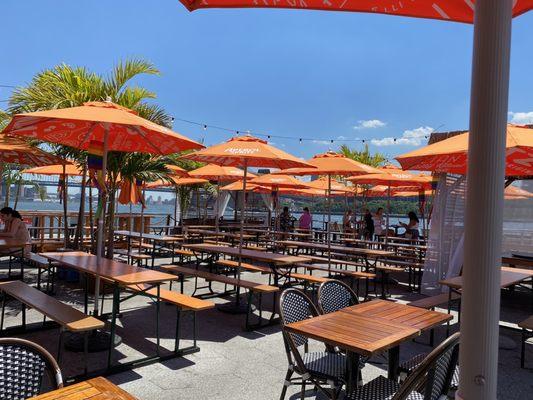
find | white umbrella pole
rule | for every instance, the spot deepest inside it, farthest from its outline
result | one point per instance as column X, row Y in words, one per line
column 329, row 223
column 101, row 219
column 480, row 299
column 241, row 233
column 141, row 225
column 216, row 211
column 388, row 213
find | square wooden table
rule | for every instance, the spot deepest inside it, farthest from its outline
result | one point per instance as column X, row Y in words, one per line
column 369, row 328
column 93, row 389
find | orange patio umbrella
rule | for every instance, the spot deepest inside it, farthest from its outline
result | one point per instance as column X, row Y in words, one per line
column 516, row 193
column 488, row 114
column 238, row 186
column 449, row 10
column 413, row 193
column 450, row 155
column 331, row 163
column 322, row 184
column 245, row 151
column 99, row 127
column 175, row 170
column 176, row 181
column 56, row 169
column 17, row 151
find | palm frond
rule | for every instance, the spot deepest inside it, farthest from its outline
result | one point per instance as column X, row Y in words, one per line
column 124, row 71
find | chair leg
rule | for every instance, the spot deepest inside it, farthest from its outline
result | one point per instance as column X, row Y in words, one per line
column 302, row 393
column 286, row 384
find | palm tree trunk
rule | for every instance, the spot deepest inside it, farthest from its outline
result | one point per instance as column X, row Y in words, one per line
column 81, row 213
column 17, row 193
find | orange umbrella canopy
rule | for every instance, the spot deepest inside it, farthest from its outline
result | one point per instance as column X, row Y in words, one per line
column 219, row 173
column 331, row 163
column 176, row 181
column 394, row 178
column 248, row 151
column 175, row 170
column 413, row 193
column 516, row 193
column 449, row 10
column 322, row 184
column 56, row 169
column 278, row 181
column 450, row 155
column 78, row 126
column 238, row 186
column 17, row 151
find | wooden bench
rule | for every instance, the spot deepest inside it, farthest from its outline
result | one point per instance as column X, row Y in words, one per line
column 68, row 318
column 431, row 302
column 336, row 261
column 526, row 325
column 254, row 288
column 244, row 266
column 43, row 265
column 182, row 303
column 352, row 275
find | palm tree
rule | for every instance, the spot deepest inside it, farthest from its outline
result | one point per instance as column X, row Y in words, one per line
column 364, row 156
column 67, row 86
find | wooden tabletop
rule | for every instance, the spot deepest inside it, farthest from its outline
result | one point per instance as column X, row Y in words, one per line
column 207, row 232
column 520, row 261
column 151, row 236
column 361, row 334
column 93, row 389
column 9, row 243
column 338, row 249
column 271, row 232
column 414, row 317
column 509, row 277
column 407, row 246
column 116, row 271
column 263, row 256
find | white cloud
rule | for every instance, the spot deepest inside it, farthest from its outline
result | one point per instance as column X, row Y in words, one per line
column 322, row 142
column 369, row 124
column 412, row 137
column 521, row 118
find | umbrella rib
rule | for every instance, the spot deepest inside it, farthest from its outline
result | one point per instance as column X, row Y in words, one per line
column 147, row 140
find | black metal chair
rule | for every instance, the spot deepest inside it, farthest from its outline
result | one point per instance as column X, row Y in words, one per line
column 317, row 368
column 335, row 295
column 23, row 364
column 430, row 380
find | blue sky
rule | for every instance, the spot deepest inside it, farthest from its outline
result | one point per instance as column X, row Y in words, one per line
column 284, row 72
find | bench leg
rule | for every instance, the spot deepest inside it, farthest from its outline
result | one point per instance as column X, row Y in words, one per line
column 3, row 311
column 23, row 316
column 85, row 352
column 158, row 311
column 177, row 340
column 523, row 351
column 60, row 345
column 116, row 299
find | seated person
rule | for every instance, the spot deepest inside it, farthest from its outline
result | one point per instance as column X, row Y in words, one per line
column 411, row 229
column 15, row 229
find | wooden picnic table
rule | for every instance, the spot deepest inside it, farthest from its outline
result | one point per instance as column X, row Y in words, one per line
column 359, row 251
column 207, row 232
column 514, row 260
column 407, row 246
column 369, row 328
column 120, row 275
column 509, row 277
column 274, row 260
column 94, row 389
column 12, row 247
column 148, row 236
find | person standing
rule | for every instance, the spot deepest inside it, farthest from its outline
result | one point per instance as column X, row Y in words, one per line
column 379, row 222
column 306, row 220
column 285, row 220
column 369, row 225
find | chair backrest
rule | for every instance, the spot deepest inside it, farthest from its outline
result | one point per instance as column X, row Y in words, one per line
column 23, row 365
column 433, row 376
column 294, row 306
column 334, row 295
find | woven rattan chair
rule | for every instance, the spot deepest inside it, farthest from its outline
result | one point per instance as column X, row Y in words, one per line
column 430, row 380
column 316, row 368
column 23, row 365
column 335, row 295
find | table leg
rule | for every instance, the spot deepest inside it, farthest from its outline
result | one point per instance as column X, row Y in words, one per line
column 116, row 299
column 158, row 308
column 394, row 363
column 352, row 371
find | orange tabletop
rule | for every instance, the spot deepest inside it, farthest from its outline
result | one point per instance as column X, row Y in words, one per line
column 397, row 313
column 518, row 261
column 509, row 277
column 93, row 389
column 361, row 334
column 122, row 273
column 262, row 256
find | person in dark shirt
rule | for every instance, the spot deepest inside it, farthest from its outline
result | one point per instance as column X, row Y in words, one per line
column 369, row 225
column 285, row 220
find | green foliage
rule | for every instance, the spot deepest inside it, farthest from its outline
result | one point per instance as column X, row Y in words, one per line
column 4, row 119
column 363, row 156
